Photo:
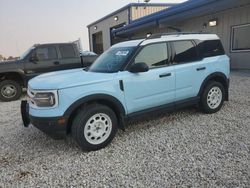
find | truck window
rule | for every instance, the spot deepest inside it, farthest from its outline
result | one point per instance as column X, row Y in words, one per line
column 67, row 51
column 46, row 53
column 185, row 52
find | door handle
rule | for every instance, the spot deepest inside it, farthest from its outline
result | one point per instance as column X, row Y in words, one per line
column 56, row 63
column 165, row 75
column 201, row 68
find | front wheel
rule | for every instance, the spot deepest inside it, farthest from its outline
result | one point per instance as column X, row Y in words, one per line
column 212, row 97
column 10, row 90
column 94, row 127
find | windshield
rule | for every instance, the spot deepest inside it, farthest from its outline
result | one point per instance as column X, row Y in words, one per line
column 26, row 52
column 112, row 60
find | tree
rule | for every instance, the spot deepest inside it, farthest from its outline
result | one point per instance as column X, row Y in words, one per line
column 10, row 58
column 1, row 57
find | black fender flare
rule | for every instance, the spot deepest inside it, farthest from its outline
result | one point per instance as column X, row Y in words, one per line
column 108, row 99
column 19, row 72
column 218, row 76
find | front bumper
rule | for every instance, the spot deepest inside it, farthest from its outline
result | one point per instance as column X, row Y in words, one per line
column 56, row 127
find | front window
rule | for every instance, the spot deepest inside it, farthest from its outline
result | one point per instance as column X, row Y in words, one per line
column 154, row 55
column 46, row 53
column 112, row 60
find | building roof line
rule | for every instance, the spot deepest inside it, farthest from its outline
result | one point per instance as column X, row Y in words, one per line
column 128, row 6
column 176, row 11
column 188, row 5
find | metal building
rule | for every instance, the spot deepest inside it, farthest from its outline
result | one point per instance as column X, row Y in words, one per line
column 230, row 19
column 100, row 31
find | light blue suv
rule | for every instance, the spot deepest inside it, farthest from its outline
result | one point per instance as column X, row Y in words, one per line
column 130, row 79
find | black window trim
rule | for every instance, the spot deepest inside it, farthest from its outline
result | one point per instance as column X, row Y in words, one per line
column 47, row 46
column 232, row 38
column 139, row 49
column 199, row 57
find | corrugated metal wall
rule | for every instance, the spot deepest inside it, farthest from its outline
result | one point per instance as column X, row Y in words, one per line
column 226, row 20
column 104, row 27
column 140, row 11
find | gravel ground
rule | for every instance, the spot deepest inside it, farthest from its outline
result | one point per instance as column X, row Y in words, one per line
column 180, row 149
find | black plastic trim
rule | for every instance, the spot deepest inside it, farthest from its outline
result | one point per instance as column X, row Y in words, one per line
column 50, row 126
column 95, row 97
column 201, row 68
column 25, row 113
column 167, row 107
column 213, row 76
column 121, row 85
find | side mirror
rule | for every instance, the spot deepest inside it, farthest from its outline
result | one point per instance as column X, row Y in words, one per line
column 139, row 67
column 34, row 58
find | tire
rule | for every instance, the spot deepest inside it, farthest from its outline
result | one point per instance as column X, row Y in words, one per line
column 10, row 90
column 94, row 127
column 212, row 98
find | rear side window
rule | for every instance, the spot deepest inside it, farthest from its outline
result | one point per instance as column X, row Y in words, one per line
column 46, row 53
column 210, row 48
column 185, row 52
column 154, row 55
column 67, row 51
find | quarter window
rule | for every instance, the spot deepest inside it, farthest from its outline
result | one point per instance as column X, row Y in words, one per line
column 46, row 53
column 154, row 55
column 67, row 51
column 185, row 52
column 240, row 40
column 210, row 48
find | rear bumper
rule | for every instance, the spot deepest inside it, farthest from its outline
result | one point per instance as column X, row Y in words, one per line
column 55, row 127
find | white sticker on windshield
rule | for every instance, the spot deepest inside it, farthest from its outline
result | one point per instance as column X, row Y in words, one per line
column 122, row 53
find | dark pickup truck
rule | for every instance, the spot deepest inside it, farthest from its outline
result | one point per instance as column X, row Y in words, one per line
column 42, row 58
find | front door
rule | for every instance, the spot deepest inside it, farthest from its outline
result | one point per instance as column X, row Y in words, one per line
column 45, row 59
column 153, row 88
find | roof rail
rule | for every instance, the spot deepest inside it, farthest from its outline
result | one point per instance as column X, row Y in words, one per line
column 174, row 33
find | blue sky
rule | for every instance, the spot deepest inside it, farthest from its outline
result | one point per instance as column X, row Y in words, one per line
column 27, row 22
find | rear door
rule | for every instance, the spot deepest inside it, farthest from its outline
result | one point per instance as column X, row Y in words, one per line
column 69, row 57
column 46, row 61
column 190, row 69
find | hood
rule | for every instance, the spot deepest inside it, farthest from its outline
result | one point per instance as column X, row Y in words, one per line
column 68, row 78
column 6, row 65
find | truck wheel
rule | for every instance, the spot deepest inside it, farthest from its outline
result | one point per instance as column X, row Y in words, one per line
column 94, row 127
column 10, row 90
column 212, row 97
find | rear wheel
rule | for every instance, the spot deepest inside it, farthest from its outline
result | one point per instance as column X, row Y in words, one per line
column 212, row 97
column 10, row 90
column 94, row 127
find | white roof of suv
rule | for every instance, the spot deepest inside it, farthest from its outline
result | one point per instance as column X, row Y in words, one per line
column 168, row 37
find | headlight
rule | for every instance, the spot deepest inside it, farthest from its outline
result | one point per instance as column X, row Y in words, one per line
column 45, row 99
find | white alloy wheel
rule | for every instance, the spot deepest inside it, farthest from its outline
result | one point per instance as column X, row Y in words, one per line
column 98, row 128
column 214, row 97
